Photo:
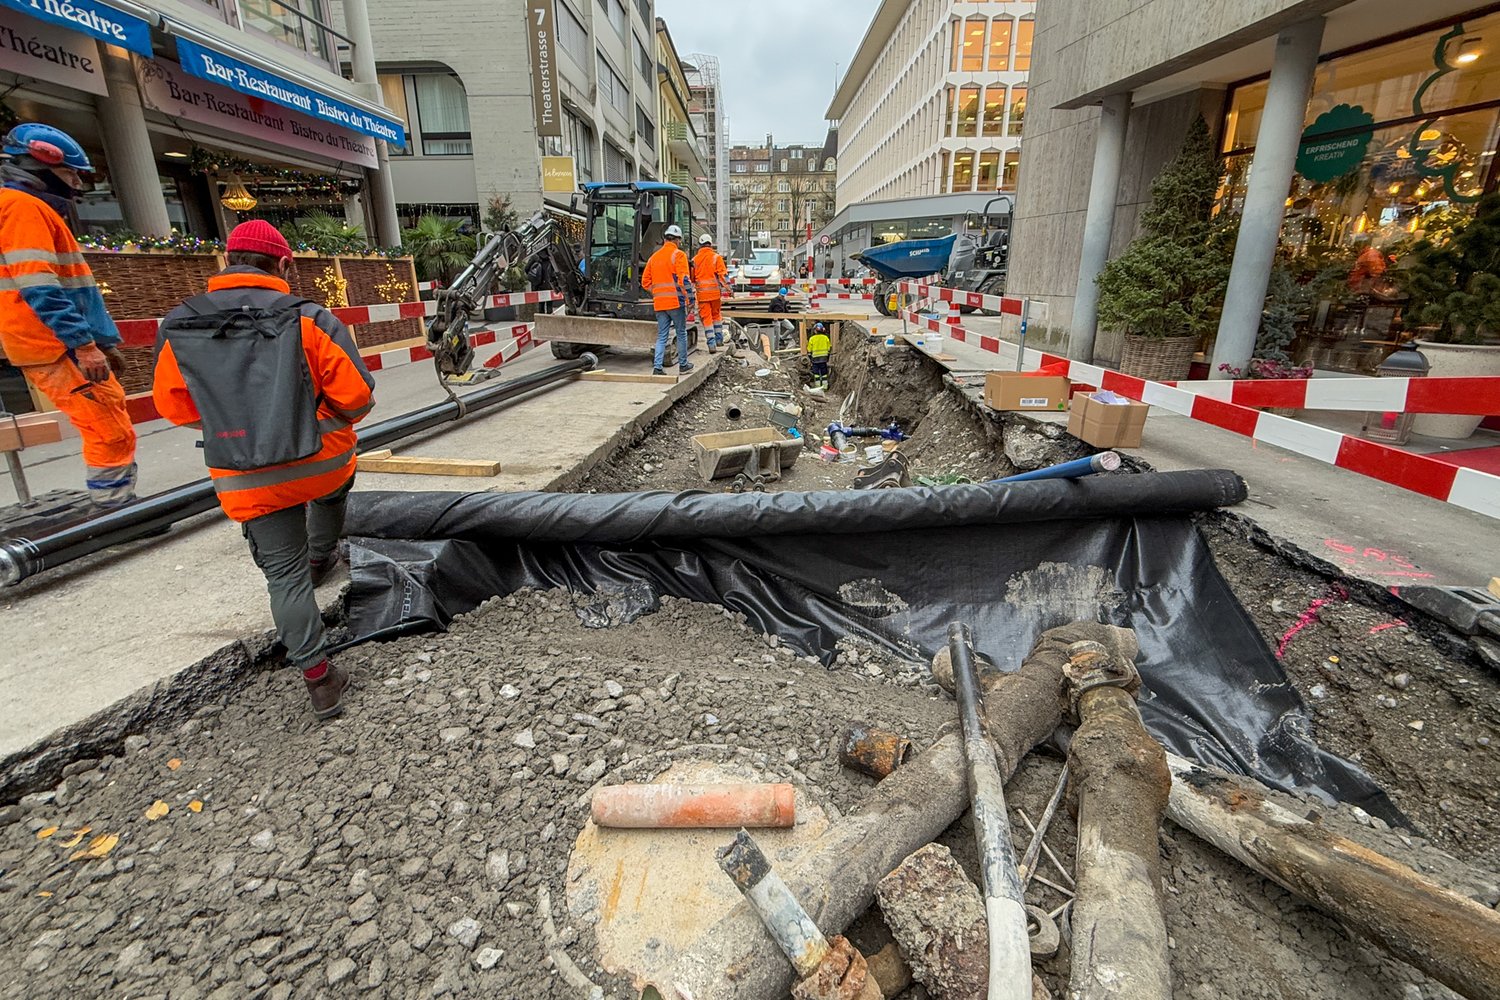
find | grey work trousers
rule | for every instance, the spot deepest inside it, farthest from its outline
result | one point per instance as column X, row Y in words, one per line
column 281, row 543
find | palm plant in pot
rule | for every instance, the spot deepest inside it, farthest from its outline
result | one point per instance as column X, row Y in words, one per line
column 1166, row 290
column 1455, row 295
column 439, row 247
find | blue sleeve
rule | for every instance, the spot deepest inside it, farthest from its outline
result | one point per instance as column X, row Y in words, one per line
column 91, row 301
column 59, row 310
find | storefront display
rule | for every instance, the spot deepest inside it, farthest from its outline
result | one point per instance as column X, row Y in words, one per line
column 1400, row 142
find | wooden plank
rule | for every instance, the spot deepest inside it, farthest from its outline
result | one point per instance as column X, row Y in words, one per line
column 602, row 376
column 418, row 466
column 1495, row 587
column 29, row 430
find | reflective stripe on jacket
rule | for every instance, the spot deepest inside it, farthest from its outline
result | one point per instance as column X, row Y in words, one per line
column 340, row 380
column 49, row 302
column 666, row 269
column 818, row 345
column 709, row 272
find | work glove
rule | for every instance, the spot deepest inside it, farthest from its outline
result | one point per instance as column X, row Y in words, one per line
column 92, row 362
column 116, row 359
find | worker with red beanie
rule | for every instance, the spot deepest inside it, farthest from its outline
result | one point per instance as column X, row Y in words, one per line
column 276, row 385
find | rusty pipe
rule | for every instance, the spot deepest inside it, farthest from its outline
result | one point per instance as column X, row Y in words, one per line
column 676, row 807
column 872, row 751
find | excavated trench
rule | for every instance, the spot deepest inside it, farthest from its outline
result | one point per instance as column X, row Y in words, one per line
column 401, row 850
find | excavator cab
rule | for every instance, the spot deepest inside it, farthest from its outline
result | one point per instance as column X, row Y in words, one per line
column 625, row 227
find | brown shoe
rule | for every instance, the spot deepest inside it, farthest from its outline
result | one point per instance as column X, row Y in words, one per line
column 327, row 692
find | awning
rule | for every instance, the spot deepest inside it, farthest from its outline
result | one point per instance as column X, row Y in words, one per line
column 219, row 67
column 93, row 18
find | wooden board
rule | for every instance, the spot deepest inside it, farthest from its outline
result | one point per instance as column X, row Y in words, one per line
column 1495, row 587
column 601, row 376
column 384, row 461
column 29, row 430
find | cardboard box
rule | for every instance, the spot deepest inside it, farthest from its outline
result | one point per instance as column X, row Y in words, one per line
column 1106, row 426
column 1033, row 393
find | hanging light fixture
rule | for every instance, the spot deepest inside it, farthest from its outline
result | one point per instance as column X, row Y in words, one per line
column 237, row 197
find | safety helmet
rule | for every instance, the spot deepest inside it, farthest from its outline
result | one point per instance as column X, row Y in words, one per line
column 819, row 328
column 51, row 147
column 706, row 240
column 783, row 290
column 674, row 233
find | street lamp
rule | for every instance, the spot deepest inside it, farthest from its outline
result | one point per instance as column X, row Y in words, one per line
column 1395, row 427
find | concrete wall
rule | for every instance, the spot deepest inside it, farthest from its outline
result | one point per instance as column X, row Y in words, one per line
column 1108, row 46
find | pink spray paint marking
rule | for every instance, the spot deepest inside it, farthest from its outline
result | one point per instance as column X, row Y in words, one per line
column 1398, row 623
column 1310, row 616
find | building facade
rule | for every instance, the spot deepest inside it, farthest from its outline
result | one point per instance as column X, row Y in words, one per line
column 711, row 119
column 934, row 100
column 1346, row 131
column 201, row 114
column 681, row 150
column 777, row 192
column 462, row 72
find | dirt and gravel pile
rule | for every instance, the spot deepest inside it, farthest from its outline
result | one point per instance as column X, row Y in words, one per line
column 399, row 851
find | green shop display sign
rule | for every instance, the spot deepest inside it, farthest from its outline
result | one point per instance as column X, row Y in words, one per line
column 1335, row 143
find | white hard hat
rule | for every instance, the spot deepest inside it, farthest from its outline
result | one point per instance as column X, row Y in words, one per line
column 674, row 232
column 706, row 239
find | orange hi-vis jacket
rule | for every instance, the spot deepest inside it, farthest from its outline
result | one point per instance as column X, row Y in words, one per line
column 710, row 274
column 49, row 302
column 341, row 384
column 664, row 271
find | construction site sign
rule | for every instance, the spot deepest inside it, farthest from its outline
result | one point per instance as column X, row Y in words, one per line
column 559, row 175
column 541, row 21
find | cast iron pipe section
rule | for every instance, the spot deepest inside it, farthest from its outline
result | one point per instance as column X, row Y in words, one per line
column 21, row 558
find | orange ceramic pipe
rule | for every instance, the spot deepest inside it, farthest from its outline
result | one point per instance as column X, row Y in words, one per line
column 652, row 807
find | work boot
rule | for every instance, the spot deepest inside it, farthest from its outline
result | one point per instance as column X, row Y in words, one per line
column 325, row 686
column 323, row 568
column 657, row 371
column 713, row 348
column 686, row 367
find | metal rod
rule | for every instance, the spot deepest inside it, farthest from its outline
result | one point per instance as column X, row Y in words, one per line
column 1029, row 859
column 1025, row 322
column 21, row 558
column 793, row 930
column 1004, row 903
column 18, row 477
column 1037, row 833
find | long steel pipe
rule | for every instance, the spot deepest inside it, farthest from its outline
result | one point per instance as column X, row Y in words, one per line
column 21, row 558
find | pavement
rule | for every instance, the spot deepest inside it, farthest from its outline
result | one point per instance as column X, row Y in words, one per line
column 78, row 640
column 1372, row 531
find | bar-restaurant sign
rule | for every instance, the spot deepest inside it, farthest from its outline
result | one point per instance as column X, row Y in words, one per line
column 541, row 21
column 92, row 18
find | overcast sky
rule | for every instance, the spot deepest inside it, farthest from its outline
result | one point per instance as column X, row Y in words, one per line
column 778, row 58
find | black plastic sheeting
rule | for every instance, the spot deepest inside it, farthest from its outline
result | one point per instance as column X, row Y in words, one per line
column 894, row 568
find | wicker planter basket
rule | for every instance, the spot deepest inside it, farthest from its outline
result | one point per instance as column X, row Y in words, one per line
column 1158, row 358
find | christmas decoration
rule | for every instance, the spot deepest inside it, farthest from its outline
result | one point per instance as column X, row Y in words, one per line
column 333, row 289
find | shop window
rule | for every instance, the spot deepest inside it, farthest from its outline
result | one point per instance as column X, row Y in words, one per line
column 1024, row 29
column 1010, row 173
column 963, row 172
column 1017, row 110
column 968, row 112
column 572, row 36
column 951, row 105
column 943, row 173
column 989, row 170
column 443, row 115
column 393, row 96
column 994, row 111
column 1000, row 44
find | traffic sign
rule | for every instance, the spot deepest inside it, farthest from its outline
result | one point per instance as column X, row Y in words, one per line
column 825, row 241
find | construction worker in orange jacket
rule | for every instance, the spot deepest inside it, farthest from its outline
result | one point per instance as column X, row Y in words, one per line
column 712, row 279
column 53, row 324
column 666, row 278
column 292, row 512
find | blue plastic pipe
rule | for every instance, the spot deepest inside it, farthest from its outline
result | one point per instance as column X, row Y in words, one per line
column 1105, row 461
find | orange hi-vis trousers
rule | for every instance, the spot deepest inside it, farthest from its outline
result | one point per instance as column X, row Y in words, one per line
column 97, row 410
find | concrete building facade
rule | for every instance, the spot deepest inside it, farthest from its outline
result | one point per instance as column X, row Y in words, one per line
column 1114, row 87
column 710, row 117
column 776, row 192
column 681, row 151
column 461, row 70
column 934, row 100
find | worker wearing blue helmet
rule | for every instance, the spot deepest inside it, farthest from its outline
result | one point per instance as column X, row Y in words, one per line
column 53, row 324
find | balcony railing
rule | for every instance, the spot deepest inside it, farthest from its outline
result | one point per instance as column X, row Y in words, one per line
column 288, row 23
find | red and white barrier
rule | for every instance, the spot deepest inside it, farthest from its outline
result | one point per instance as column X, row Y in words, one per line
column 1005, row 304
column 1471, row 396
column 808, row 284
column 142, row 332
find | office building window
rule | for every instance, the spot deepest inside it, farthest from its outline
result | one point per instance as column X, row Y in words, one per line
column 943, row 175
column 643, row 127
column 643, row 60
column 951, row 106
column 989, row 170
column 968, row 45
column 963, row 172
column 616, row 167
column 572, row 36
column 1011, row 172
column 581, row 141
column 1024, row 29
column 994, row 111
column 393, row 95
column 443, row 115
column 1017, row 109
column 612, row 89
column 1000, row 45
column 968, row 112
column 615, row 11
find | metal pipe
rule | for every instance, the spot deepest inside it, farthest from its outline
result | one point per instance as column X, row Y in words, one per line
column 1105, row 461
column 1004, row 905
column 18, row 477
column 794, row 931
column 21, row 558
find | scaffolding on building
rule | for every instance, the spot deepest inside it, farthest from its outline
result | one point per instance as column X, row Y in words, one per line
column 712, row 122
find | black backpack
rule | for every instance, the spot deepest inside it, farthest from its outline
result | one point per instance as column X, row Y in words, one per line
column 247, row 373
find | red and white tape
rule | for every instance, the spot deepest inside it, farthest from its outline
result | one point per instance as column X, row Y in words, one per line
column 1463, row 487
column 1006, row 304
column 142, row 332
